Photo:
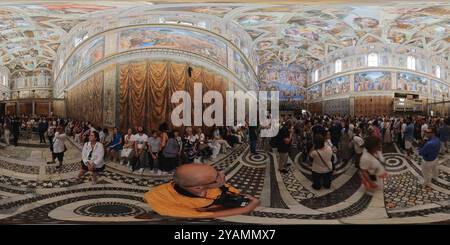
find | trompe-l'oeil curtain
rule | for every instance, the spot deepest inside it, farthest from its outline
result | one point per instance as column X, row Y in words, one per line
column 146, row 88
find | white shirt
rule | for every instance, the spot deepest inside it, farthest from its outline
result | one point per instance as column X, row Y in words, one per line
column 318, row 165
column 101, row 135
column 371, row 164
column 403, row 129
column 424, row 128
column 201, row 137
column 127, row 141
column 140, row 140
column 97, row 154
column 358, row 143
column 58, row 142
column 351, row 127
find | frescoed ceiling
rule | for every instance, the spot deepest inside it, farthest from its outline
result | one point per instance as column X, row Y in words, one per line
column 30, row 34
column 314, row 32
column 300, row 34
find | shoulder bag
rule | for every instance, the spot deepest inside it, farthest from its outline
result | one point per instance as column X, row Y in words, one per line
column 332, row 169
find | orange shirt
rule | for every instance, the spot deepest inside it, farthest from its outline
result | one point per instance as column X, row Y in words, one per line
column 166, row 201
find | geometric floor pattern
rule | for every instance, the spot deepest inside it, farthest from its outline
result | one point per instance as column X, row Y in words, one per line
column 32, row 192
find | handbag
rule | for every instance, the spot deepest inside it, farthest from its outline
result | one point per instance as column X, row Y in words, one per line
column 367, row 179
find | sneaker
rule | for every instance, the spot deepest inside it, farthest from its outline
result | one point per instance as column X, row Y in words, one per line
column 59, row 166
column 141, row 171
column 130, row 168
column 51, row 162
column 284, row 171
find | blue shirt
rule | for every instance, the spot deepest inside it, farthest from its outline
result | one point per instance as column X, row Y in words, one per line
column 444, row 132
column 409, row 132
column 430, row 150
column 115, row 142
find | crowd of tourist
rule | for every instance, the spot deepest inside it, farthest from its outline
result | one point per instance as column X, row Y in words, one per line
column 324, row 141
column 160, row 150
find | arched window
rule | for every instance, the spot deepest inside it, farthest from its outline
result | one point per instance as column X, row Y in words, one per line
column 437, row 71
column 338, row 66
column 316, row 75
column 186, row 23
column 201, row 24
column 372, row 59
column 411, row 63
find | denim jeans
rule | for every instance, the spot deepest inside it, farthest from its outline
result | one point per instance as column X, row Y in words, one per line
column 321, row 179
column 253, row 146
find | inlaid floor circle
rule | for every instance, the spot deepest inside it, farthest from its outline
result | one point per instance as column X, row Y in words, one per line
column 259, row 159
column 109, row 209
column 395, row 163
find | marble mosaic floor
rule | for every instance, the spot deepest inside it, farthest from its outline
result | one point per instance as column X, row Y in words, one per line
column 32, row 192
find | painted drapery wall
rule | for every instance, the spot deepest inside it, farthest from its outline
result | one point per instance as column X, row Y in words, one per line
column 143, row 94
column 146, row 88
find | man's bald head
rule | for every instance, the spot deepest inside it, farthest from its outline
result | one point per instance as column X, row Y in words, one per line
column 194, row 174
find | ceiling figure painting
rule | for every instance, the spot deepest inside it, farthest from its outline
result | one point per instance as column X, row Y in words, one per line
column 283, row 34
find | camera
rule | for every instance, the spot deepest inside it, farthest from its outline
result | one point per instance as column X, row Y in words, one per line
column 232, row 201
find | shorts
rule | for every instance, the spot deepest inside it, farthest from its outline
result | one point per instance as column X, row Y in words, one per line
column 59, row 156
column 408, row 144
column 85, row 168
column 126, row 152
